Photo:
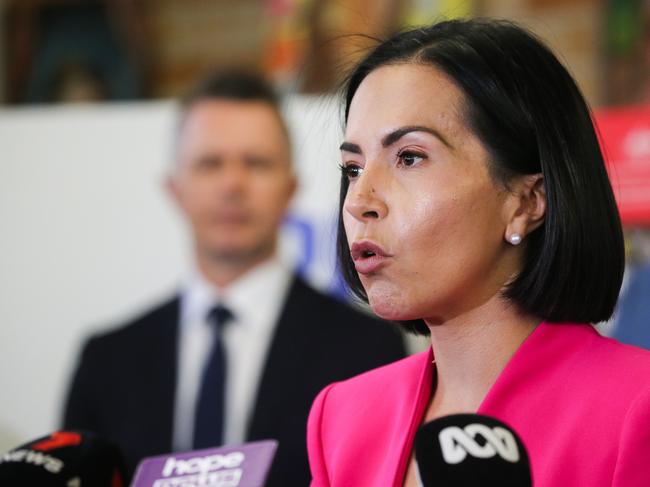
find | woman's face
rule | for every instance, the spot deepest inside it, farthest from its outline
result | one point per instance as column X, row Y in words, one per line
column 425, row 221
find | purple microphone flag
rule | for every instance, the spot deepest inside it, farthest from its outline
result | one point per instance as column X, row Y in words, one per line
column 246, row 465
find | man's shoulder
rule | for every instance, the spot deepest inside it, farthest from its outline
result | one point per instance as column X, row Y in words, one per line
column 331, row 317
column 153, row 322
column 326, row 306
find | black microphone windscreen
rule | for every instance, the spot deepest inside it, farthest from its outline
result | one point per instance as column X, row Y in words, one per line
column 470, row 450
column 66, row 459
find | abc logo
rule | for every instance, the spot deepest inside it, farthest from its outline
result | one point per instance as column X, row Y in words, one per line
column 456, row 443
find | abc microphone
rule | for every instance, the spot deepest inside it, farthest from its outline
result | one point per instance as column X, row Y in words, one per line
column 245, row 465
column 470, row 450
column 65, row 459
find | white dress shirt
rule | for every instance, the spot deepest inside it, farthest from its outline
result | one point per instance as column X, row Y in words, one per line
column 256, row 301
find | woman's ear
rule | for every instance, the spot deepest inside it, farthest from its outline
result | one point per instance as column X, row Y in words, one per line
column 528, row 208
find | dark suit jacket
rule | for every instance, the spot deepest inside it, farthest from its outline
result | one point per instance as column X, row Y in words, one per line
column 124, row 386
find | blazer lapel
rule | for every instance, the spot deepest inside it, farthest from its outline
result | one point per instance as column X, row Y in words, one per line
column 162, row 357
column 274, row 387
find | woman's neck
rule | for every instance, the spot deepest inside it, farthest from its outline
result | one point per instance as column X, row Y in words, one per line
column 471, row 351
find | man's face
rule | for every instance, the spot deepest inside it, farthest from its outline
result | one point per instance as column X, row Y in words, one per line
column 233, row 178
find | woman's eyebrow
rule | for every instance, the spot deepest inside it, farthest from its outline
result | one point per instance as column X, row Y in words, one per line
column 350, row 147
column 394, row 136
column 397, row 134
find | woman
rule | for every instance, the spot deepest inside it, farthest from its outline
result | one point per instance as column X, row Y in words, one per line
column 475, row 206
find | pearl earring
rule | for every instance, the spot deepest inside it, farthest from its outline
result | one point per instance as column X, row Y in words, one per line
column 515, row 239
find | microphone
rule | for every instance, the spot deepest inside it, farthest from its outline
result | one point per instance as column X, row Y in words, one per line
column 63, row 458
column 470, row 450
column 245, row 465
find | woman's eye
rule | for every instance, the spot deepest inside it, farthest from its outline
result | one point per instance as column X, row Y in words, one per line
column 408, row 158
column 351, row 171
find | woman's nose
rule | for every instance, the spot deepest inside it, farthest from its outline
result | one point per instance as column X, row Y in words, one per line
column 364, row 200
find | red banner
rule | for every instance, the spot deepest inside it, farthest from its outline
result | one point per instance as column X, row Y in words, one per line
column 625, row 139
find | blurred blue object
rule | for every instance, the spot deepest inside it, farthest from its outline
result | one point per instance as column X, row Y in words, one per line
column 633, row 324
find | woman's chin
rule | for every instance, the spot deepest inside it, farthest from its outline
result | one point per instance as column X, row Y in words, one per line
column 388, row 315
column 391, row 307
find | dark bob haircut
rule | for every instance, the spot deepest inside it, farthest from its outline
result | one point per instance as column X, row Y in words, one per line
column 530, row 115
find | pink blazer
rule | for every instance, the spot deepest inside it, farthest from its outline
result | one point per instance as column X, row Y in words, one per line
column 579, row 401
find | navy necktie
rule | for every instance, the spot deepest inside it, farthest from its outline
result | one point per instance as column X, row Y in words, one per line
column 209, row 419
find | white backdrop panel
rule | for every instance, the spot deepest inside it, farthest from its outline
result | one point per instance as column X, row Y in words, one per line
column 89, row 237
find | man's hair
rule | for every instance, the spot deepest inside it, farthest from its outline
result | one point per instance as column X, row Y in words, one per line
column 530, row 115
column 237, row 85
column 234, row 85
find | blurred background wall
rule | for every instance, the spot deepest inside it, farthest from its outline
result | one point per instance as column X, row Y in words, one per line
column 135, row 49
column 88, row 236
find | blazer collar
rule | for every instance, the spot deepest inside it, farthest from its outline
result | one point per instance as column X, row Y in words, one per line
column 544, row 349
column 548, row 342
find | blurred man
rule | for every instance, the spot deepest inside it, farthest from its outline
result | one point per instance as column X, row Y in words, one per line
column 244, row 348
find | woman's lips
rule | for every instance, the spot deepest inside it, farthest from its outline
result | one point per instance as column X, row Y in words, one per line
column 368, row 256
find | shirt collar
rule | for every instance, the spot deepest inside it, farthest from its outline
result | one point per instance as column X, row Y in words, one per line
column 265, row 285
